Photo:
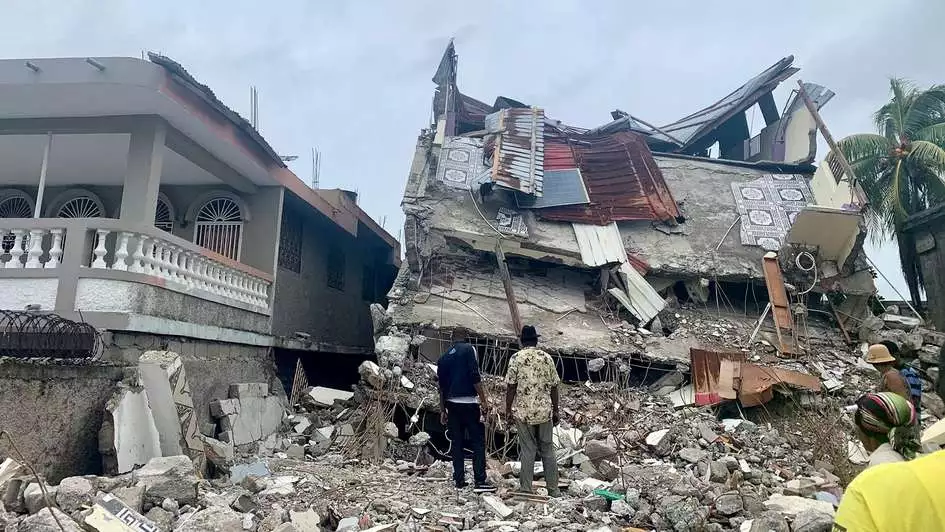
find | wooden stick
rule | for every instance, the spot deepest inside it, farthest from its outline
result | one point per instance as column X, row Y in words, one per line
column 509, row 290
column 844, row 163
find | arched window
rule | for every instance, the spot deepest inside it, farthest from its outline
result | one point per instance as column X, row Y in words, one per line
column 164, row 214
column 219, row 227
column 81, row 206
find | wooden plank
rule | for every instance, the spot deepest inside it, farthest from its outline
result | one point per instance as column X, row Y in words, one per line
column 509, row 291
column 729, row 370
column 780, row 305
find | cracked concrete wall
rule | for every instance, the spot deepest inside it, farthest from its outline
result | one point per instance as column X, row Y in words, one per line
column 211, row 366
column 54, row 412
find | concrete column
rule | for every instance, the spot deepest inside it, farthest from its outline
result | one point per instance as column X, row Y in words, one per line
column 143, row 175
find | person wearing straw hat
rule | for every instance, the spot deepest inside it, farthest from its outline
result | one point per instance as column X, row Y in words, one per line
column 890, row 378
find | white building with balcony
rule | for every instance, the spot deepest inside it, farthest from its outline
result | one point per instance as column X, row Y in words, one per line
column 132, row 199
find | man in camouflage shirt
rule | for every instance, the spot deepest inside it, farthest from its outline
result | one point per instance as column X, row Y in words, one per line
column 532, row 401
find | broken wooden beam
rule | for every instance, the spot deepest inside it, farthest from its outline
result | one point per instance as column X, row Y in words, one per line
column 509, row 291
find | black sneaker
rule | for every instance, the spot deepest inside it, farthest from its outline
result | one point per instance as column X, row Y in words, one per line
column 462, row 485
column 484, row 487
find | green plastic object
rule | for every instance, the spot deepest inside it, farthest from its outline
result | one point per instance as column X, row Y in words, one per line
column 609, row 495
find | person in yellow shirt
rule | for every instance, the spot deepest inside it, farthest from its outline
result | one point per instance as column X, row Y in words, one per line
column 896, row 497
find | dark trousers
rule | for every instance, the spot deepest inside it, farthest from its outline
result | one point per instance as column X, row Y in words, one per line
column 465, row 430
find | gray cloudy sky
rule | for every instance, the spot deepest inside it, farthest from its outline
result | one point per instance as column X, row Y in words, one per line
column 353, row 77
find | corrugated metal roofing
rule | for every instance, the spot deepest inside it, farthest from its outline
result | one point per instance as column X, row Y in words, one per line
column 599, row 244
column 641, row 299
column 690, row 129
column 518, row 159
column 558, row 155
column 623, row 183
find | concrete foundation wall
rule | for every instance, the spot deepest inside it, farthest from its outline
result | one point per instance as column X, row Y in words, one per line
column 54, row 413
column 127, row 297
column 211, row 366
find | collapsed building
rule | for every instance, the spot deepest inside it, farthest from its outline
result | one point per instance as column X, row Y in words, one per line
column 513, row 217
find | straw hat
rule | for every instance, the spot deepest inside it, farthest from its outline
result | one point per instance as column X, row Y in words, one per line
column 879, row 354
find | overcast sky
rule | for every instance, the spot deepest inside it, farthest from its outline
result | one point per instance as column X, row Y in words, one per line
column 353, row 77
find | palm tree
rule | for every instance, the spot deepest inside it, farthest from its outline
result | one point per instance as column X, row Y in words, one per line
column 901, row 169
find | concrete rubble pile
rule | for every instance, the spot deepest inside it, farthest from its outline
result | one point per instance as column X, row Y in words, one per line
column 632, row 456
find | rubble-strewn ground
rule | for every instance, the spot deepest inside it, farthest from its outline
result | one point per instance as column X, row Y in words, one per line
column 630, row 459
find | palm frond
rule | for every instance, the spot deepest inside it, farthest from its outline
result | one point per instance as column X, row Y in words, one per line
column 934, row 133
column 925, row 154
column 926, row 109
column 864, row 146
column 890, row 118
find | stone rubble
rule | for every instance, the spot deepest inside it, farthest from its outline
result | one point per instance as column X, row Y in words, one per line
column 629, row 458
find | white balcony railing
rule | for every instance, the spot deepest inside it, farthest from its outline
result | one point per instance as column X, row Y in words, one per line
column 104, row 244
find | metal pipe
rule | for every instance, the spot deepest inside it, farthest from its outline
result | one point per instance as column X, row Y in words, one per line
column 42, row 176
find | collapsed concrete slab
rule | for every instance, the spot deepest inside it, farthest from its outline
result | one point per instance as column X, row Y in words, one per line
column 170, row 477
column 255, row 415
column 164, row 379
column 129, row 436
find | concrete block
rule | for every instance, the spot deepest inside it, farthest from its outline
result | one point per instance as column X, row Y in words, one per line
column 259, row 417
column 131, row 496
column 217, row 452
column 323, row 396
column 307, row 521
column 172, row 406
column 224, row 407
column 134, row 437
column 33, row 497
column 497, row 506
column 249, row 389
column 170, row 477
column 44, row 521
column 74, row 493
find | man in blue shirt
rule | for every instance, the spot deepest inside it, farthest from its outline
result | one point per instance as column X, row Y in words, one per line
column 461, row 400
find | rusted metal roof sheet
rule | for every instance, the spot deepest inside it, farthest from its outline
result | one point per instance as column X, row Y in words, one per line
column 599, row 244
column 518, row 158
column 558, row 155
column 719, row 376
column 623, row 183
column 706, row 366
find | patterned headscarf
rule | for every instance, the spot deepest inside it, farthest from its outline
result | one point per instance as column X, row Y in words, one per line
column 884, row 414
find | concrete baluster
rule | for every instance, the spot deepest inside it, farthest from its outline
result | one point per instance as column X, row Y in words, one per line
column 55, row 249
column 35, row 244
column 121, row 252
column 17, row 250
column 100, row 251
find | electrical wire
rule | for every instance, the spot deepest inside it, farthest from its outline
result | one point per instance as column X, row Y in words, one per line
column 807, row 269
column 483, row 216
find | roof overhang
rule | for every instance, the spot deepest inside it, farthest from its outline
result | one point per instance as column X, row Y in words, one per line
column 106, row 94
